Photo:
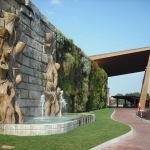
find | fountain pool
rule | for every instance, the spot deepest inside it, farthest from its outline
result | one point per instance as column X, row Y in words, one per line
column 53, row 126
column 38, row 120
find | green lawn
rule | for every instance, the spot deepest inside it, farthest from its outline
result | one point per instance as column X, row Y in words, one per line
column 81, row 138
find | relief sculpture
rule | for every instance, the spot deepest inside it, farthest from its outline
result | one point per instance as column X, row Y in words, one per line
column 52, row 92
column 10, row 48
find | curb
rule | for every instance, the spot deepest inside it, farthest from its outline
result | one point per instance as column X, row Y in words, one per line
column 141, row 119
column 115, row 140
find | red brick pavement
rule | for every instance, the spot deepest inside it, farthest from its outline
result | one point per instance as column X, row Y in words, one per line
column 140, row 139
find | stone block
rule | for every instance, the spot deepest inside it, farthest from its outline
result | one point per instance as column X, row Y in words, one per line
column 24, row 19
column 30, row 42
column 39, row 66
column 28, row 4
column 37, row 110
column 27, row 113
column 40, row 32
column 19, row 59
column 25, row 61
column 37, row 102
column 43, row 75
column 25, row 77
column 24, row 93
column 32, row 111
column 30, row 103
column 32, row 80
column 31, row 15
column 21, row 103
column 34, row 87
column 34, row 8
column 39, row 47
column 22, row 26
column 44, row 67
column 36, row 55
column 36, row 73
column 1, row 22
column 28, row 51
column 24, row 10
column 39, row 81
column 31, row 53
column 35, row 44
column 27, row 31
column 27, row 70
column 35, row 36
column 43, row 18
column 48, row 30
column 12, row 10
column 33, row 63
column 34, row 95
column 21, row 85
column 13, row 3
column 44, row 58
column 21, row 1
column 35, row 26
column 24, row 38
column 4, row 5
column 35, row 132
column 41, row 40
column 17, row 12
column 23, row 110
column 52, row 27
column 43, row 27
column 35, row 80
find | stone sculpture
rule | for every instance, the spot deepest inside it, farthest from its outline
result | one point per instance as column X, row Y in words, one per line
column 10, row 48
column 52, row 92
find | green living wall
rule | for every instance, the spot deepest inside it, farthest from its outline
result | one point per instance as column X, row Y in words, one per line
column 84, row 83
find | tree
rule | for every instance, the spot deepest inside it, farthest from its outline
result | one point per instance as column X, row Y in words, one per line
column 136, row 94
column 119, row 94
column 133, row 94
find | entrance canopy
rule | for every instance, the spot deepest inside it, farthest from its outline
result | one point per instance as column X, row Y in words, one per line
column 123, row 62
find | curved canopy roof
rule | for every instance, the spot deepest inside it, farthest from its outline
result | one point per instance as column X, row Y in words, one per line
column 123, row 62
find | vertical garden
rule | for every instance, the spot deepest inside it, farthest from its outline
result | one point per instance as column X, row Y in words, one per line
column 84, row 83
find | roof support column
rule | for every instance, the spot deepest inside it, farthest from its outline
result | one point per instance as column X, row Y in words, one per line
column 145, row 86
column 134, row 104
column 117, row 102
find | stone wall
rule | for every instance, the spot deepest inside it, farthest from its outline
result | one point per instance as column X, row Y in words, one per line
column 83, row 82
column 33, row 60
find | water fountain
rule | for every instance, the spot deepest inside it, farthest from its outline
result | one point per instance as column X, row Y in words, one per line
column 42, row 103
column 62, row 102
column 51, row 102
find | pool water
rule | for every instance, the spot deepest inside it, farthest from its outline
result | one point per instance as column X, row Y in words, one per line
column 39, row 120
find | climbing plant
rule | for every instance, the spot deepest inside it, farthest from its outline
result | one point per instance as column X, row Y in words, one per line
column 98, row 88
column 84, row 83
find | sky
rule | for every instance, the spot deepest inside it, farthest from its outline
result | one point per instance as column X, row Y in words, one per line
column 103, row 26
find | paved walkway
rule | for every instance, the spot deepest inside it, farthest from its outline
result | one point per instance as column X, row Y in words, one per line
column 140, row 139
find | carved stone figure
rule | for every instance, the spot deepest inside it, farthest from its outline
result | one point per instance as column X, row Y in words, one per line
column 52, row 91
column 10, row 48
column 48, row 42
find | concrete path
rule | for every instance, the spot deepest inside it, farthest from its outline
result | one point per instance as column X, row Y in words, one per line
column 140, row 139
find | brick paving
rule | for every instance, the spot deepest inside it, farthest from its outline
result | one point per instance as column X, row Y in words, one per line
column 140, row 139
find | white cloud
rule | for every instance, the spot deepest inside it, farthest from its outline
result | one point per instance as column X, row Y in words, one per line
column 57, row 2
column 50, row 12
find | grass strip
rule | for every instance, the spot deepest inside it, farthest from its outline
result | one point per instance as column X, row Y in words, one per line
column 81, row 138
